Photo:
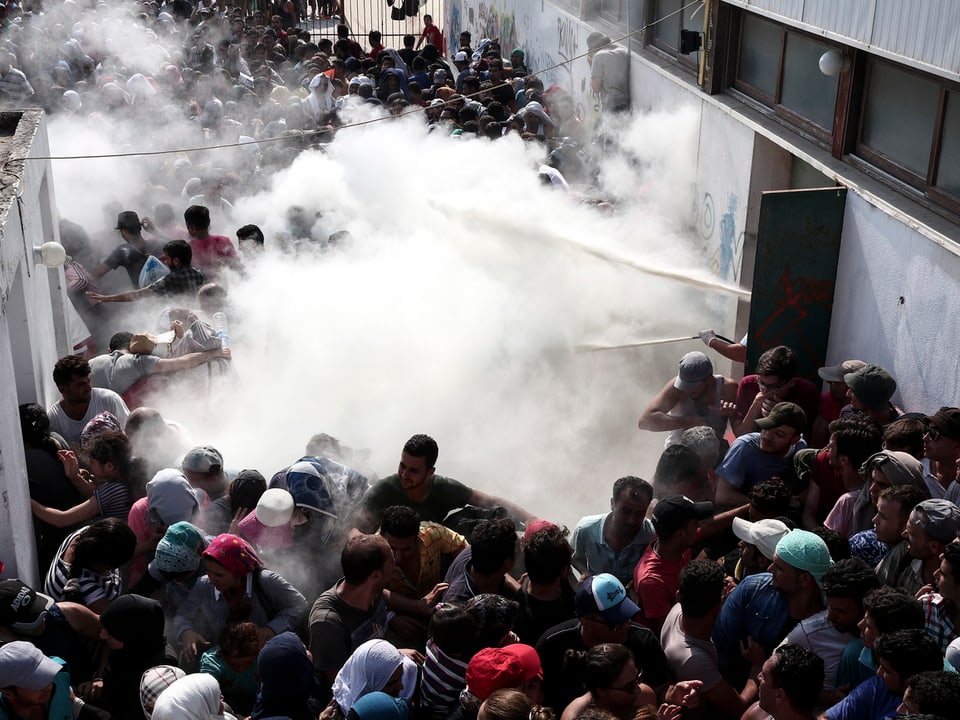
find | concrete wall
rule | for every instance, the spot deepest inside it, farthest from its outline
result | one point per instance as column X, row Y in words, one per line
column 33, row 324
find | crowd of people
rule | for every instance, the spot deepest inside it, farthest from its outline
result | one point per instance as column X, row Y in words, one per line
column 793, row 556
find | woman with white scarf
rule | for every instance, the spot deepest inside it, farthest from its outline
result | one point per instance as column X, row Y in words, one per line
column 194, row 697
column 375, row 666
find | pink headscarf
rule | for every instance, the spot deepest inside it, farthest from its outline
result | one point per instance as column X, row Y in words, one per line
column 234, row 553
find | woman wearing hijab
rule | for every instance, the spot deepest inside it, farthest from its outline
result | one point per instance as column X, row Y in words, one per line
column 133, row 631
column 170, row 499
column 236, row 588
column 176, row 566
column 154, row 682
column 47, row 478
column 194, row 697
column 378, row 706
column 287, row 681
column 880, row 471
column 374, row 666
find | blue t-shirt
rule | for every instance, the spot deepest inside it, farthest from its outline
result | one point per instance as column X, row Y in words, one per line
column 870, row 700
column 745, row 464
column 754, row 608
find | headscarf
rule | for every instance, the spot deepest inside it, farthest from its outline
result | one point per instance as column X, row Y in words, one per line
column 234, row 553
column 367, row 670
column 380, row 706
column 286, row 679
column 98, row 425
column 170, row 499
column 138, row 623
column 179, row 549
column 153, row 682
column 899, row 468
column 805, row 551
column 194, row 697
column 325, row 487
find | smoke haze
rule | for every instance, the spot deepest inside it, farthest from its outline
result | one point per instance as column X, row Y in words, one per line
column 454, row 308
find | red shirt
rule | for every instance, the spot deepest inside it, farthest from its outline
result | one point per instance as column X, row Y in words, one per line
column 804, row 393
column 431, row 34
column 656, row 582
column 209, row 253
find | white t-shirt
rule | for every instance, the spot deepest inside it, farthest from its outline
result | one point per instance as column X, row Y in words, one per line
column 101, row 400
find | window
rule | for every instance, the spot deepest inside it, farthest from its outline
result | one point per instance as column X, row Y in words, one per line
column 612, row 10
column 899, row 114
column 779, row 68
column 669, row 17
column 910, row 128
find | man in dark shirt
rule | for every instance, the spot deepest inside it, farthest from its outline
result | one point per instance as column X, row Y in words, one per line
column 132, row 254
column 352, row 611
column 417, row 486
column 183, row 279
column 604, row 615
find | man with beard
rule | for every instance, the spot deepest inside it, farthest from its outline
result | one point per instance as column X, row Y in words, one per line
column 416, row 485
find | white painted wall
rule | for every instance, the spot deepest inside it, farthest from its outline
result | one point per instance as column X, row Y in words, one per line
column 881, row 261
column 32, row 330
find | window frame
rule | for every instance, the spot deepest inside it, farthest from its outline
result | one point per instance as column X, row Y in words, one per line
column 823, row 136
column 690, row 62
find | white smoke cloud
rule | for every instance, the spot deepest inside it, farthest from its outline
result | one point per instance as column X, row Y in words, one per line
column 454, row 309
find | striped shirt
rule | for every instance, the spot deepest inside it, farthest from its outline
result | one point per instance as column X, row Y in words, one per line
column 93, row 587
column 443, row 679
column 114, row 500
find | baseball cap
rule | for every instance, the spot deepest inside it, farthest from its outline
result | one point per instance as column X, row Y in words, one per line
column 604, row 595
column 784, row 413
column 675, row 511
column 528, row 658
column 694, row 368
column 23, row 665
column 202, row 459
column 22, row 608
column 764, row 534
column 494, row 669
column 535, row 526
column 835, row 373
column 947, row 421
column 938, row 518
column 460, row 57
column 872, row 385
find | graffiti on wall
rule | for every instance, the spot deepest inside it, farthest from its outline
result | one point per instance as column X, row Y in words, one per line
column 728, row 243
column 548, row 42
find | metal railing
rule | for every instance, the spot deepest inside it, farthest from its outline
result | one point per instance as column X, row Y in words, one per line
column 403, row 17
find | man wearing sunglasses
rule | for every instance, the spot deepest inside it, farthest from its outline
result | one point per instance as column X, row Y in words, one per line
column 776, row 381
column 941, row 444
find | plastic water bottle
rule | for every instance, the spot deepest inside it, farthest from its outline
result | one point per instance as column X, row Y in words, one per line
column 221, row 328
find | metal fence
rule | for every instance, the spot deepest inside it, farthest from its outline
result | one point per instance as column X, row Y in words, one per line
column 393, row 20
